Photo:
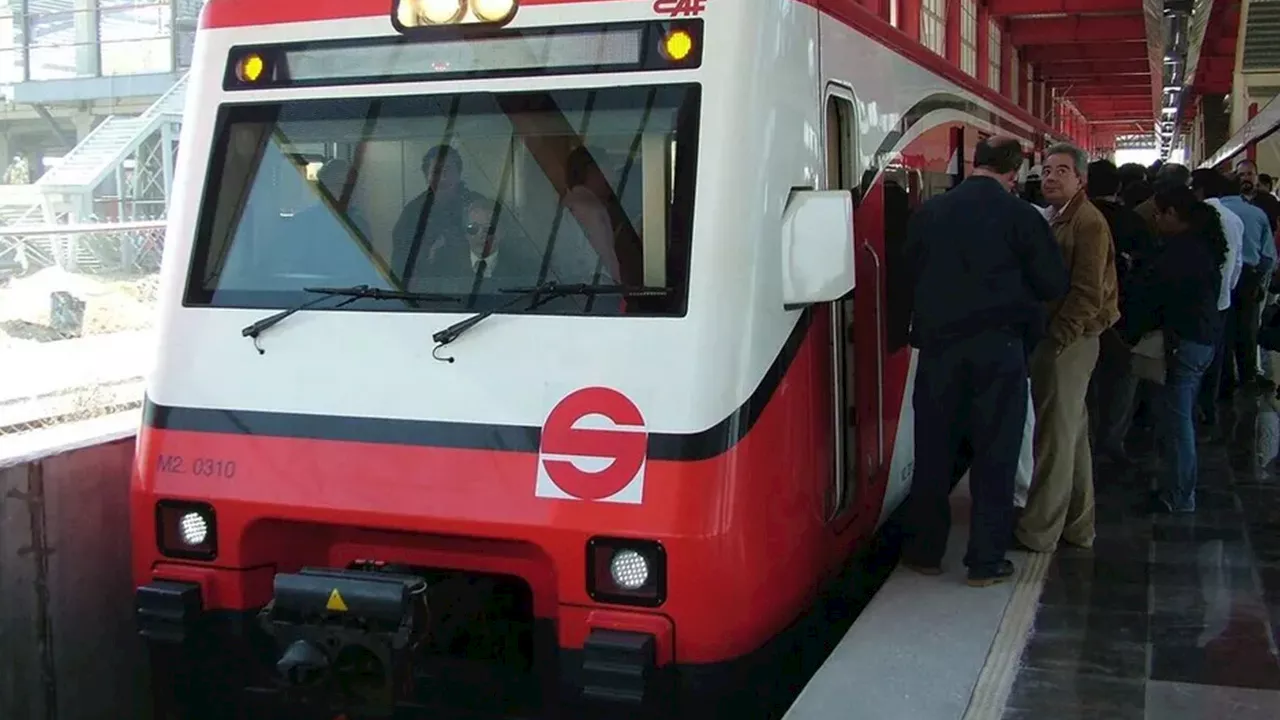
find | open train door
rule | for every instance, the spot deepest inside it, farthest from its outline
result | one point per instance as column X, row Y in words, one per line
column 857, row 336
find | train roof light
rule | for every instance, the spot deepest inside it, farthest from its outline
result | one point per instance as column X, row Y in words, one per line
column 410, row 14
column 494, row 11
column 425, row 13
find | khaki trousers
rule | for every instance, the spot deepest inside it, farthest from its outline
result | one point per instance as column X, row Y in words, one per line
column 1060, row 501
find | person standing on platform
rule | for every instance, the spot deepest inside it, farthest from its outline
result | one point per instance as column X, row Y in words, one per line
column 1113, row 388
column 1208, row 186
column 1258, row 252
column 1169, row 175
column 1060, row 503
column 981, row 262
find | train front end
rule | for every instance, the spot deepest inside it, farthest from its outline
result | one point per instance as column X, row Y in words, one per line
column 423, row 425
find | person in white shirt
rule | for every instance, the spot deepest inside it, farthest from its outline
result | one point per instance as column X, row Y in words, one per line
column 1208, row 185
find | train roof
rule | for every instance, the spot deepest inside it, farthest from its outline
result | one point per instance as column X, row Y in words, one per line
column 239, row 13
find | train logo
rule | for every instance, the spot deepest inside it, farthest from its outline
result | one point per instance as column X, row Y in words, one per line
column 678, row 8
column 594, row 448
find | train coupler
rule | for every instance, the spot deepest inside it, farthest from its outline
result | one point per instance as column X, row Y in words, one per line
column 347, row 638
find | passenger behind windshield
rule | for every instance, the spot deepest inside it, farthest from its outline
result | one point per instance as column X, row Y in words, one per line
column 432, row 221
column 588, row 228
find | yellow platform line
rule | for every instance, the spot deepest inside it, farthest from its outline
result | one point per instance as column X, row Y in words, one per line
column 991, row 691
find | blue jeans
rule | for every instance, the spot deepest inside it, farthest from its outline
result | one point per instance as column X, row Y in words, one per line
column 1187, row 362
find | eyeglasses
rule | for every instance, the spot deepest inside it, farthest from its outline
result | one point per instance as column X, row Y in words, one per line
column 478, row 228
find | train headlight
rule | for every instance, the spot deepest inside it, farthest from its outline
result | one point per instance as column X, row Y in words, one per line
column 193, row 529
column 629, row 570
column 493, row 11
column 186, row 530
column 420, row 13
column 626, row 572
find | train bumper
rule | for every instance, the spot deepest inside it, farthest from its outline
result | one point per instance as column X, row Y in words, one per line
column 168, row 613
column 335, row 641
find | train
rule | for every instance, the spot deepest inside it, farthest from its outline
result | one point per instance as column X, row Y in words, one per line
column 547, row 353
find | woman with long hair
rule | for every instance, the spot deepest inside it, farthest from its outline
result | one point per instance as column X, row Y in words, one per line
column 1179, row 296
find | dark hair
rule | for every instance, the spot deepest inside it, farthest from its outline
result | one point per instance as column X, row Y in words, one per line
column 1131, row 173
column 443, row 154
column 1201, row 216
column 334, row 174
column 1208, row 181
column 1265, row 179
column 1104, row 178
column 998, row 154
column 1136, row 193
column 1172, row 175
column 578, row 165
column 1231, row 184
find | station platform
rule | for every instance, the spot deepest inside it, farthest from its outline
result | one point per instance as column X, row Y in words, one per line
column 1165, row 618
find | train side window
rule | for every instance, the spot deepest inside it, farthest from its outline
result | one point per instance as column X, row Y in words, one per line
column 841, row 139
column 842, row 174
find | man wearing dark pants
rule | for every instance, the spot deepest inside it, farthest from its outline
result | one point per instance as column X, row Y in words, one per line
column 1258, row 253
column 1113, row 387
column 981, row 262
column 1209, row 185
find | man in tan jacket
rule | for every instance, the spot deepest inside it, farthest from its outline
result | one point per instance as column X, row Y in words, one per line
column 1060, row 502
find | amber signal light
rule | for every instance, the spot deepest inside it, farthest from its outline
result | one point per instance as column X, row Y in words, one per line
column 677, row 45
column 250, row 68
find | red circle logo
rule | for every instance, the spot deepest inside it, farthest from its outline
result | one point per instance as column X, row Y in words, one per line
column 626, row 449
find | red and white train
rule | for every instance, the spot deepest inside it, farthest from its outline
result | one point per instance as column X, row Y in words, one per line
column 624, row 488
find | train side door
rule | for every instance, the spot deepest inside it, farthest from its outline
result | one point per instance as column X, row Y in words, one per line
column 857, row 345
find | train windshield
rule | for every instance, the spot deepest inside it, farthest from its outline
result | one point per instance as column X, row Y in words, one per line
column 462, row 195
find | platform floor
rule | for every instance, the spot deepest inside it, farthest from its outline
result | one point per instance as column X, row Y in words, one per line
column 1166, row 618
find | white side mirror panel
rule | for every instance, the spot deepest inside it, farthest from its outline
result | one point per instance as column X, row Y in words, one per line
column 817, row 247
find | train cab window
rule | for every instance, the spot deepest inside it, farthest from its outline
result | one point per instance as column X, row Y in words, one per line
column 463, row 195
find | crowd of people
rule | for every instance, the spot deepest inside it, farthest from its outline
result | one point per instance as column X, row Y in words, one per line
column 1121, row 299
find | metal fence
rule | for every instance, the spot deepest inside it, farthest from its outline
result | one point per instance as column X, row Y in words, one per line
column 77, row 305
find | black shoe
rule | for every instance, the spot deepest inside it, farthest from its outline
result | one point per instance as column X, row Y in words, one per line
column 922, row 569
column 983, row 577
column 912, row 561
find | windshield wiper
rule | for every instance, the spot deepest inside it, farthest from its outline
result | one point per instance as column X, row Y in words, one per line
column 540, row 294
column 354, row 293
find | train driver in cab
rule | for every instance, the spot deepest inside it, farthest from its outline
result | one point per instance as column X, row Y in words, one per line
column 432, row 220
column 497, row 254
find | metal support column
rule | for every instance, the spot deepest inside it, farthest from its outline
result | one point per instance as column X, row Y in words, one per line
column 951, row 46
column 909, row 18
column 166, row 159
column 1251, row 150
column 1008, row 69
column 983, row 37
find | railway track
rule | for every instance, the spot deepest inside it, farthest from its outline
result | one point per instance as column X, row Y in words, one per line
column 82, row 403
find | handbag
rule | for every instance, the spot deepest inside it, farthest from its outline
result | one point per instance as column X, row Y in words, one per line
column 1149, row 358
